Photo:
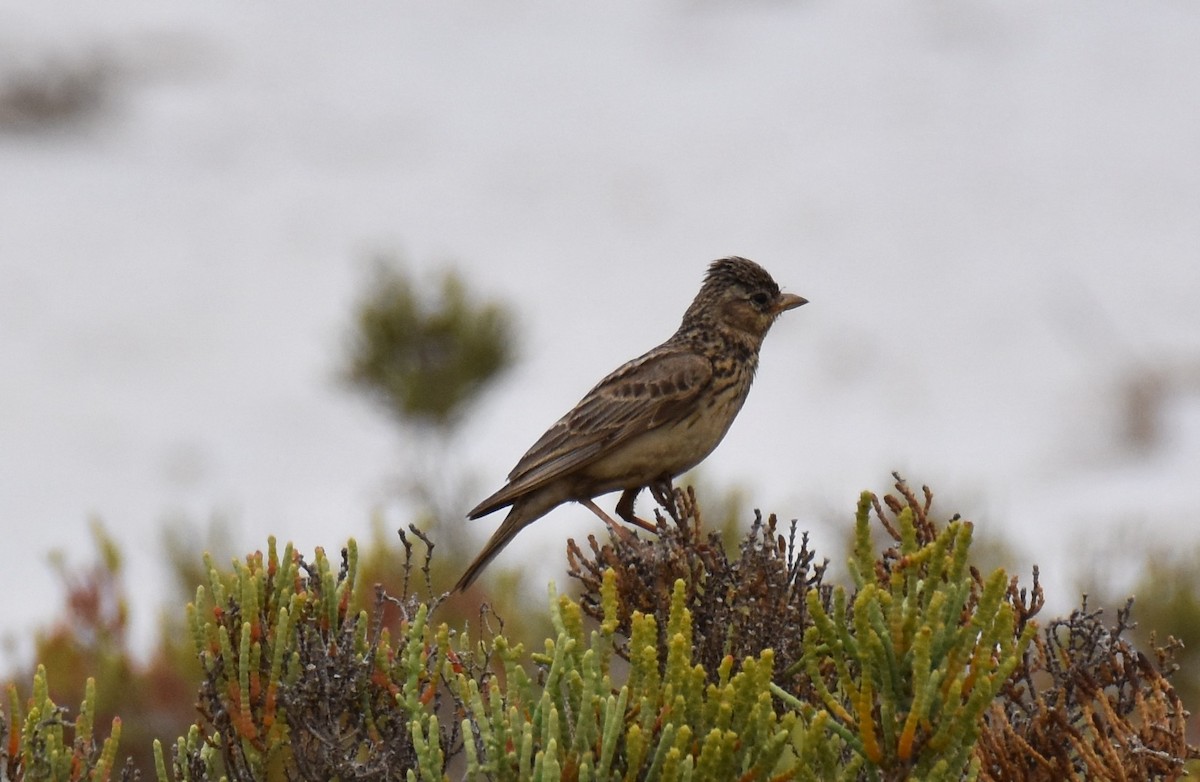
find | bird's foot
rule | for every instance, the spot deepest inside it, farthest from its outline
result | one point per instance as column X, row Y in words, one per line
column 625, row 535
column 646, row 525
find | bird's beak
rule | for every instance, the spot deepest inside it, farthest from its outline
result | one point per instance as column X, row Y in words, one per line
column 789, row 301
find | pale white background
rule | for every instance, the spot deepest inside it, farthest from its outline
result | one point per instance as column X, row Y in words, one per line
column 994, row 208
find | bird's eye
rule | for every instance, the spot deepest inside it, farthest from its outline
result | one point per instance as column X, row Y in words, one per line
column 760, row 299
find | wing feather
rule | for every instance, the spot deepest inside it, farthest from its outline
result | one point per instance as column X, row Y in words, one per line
column 651, row 391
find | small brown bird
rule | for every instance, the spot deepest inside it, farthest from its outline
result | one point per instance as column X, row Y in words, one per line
column 653, row 418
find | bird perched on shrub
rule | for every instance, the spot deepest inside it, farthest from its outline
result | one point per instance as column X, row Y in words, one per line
column 654, row 417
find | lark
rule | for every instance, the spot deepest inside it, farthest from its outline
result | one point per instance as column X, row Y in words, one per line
column 653, row 418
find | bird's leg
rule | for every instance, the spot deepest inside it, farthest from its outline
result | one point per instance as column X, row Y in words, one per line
column 625, row 504
column 625, row 535
column 625, row 510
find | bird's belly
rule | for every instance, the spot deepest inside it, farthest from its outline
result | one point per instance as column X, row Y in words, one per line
column 668, row 450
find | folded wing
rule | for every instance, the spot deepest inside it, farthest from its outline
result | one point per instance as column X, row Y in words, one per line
column 652, row 391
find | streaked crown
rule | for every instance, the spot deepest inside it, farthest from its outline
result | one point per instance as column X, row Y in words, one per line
column 741, row 272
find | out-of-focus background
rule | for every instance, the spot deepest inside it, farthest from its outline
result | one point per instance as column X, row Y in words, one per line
column 994, row 208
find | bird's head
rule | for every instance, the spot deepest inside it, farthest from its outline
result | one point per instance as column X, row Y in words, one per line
column 739, row 294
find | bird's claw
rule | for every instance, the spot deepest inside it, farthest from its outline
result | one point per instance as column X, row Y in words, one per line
column 625, row 535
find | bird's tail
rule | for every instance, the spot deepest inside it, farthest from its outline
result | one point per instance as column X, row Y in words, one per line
column 516, row 520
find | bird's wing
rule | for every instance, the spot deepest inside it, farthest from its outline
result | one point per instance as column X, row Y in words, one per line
column 648, row 392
